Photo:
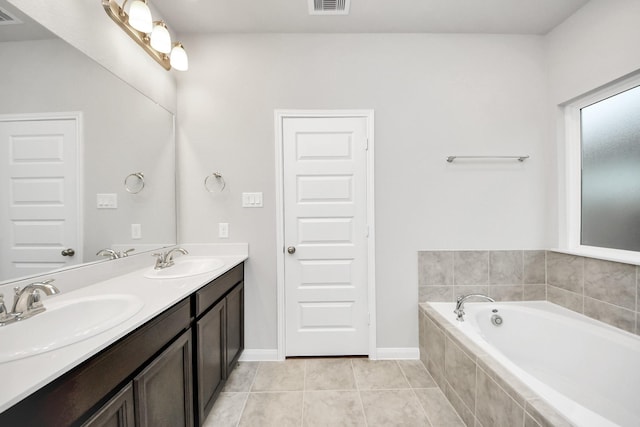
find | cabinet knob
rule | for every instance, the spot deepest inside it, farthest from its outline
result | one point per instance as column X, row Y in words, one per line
column 291, row 250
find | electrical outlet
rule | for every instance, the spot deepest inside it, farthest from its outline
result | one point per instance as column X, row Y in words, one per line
column 136, row 231
column 223, row 230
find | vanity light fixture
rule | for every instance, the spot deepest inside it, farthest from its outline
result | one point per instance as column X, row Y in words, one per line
column 160, row 37
column 152, row 36
column 140, row 16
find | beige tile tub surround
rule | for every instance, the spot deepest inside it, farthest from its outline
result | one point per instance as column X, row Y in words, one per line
column 479, row 388
column 604, row 290
column 332, row 392
column 503, row 275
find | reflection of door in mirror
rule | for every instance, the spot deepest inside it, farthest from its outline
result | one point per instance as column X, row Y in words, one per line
column 39, row 219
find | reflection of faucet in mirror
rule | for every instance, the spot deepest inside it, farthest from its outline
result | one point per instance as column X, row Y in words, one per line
column 26, row 301
column 165, row 259
column 107, row 253
column 113, row 254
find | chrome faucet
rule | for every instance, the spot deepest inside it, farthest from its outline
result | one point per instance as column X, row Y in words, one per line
column 107, row 252
column 165, row 259
column 26, row 302
column 459, row 311
column 113, row 254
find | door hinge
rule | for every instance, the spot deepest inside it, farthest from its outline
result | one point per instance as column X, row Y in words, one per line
column 366, row 232
column 366, row 144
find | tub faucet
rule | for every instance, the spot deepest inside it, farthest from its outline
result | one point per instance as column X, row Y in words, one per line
column 165, row 259
column 27, row 302
column 459, row 311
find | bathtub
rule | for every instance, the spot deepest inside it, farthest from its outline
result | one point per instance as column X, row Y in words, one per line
column 589, row 372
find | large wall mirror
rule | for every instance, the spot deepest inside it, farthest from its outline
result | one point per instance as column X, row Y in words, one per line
column 87, row 161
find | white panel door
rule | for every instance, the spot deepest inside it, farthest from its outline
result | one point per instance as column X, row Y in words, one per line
column 39, row 211
column 325, row 235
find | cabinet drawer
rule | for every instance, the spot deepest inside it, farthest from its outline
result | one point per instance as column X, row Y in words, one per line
column 212, row 292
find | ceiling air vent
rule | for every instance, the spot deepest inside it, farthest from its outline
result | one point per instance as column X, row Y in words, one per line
column 6, row 18
column 329, row 7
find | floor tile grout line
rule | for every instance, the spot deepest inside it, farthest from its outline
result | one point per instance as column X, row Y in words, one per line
column 244, row 406
column 304, row 389
column 424, row 410
column 404, row 374
column 415, row 395
column 358, row 392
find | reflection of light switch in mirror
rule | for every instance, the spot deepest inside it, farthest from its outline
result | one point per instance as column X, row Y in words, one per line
column 136, row 231
column 107, row 201
column 251, row 200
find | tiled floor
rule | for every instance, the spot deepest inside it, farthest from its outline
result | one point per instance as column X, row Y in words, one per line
column 332, row 392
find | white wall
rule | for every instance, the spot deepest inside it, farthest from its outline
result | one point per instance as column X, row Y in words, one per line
column 433, row 96
column 86, row 26
column 595, row 46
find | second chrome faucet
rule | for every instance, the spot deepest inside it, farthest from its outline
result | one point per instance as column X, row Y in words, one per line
column 165, row 259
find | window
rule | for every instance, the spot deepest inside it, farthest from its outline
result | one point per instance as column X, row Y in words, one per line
column 610, row 131
column 603, row 141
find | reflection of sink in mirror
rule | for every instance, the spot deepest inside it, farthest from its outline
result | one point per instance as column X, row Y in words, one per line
column 65, row 323
column 186, row 266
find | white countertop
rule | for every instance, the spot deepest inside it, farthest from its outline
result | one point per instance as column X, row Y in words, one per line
column 22, row 377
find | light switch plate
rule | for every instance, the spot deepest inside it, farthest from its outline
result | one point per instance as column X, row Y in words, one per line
column 252, row 200
column 107, row 201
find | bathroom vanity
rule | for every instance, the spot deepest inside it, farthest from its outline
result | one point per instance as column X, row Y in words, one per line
column 166, row 367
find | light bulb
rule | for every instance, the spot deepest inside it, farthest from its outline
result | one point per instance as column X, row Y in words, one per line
column 140, row 16
column 179, row 59
column 160, row 38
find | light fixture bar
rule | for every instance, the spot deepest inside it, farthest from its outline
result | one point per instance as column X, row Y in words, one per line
column 121, row 18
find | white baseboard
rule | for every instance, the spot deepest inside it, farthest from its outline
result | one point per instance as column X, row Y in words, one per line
column 390, row 353
column 271, row 355
column 259, row 355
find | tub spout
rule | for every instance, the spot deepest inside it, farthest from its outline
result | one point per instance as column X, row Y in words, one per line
column 459, row 311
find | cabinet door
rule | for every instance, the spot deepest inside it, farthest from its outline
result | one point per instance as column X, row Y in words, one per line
column 235, row 326
column 163, row 390
column 210, row 348
column 117, row 412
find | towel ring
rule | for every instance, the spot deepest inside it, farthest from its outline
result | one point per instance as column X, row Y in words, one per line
column 218, row 177
column 134, row 187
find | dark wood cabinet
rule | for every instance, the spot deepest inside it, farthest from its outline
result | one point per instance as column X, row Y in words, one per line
column 235, row 326
column 117, row 412
column 219, row 335
column 168, row 372
column 163, row 391
column 210, row 357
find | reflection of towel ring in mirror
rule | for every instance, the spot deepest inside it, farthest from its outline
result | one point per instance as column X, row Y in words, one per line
column 219, row 179
column 134, row 187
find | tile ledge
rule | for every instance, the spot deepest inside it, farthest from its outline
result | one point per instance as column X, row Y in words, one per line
column 625, row 257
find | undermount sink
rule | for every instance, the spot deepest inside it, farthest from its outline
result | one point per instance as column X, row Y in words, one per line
column 64, row 323
column 186, row 266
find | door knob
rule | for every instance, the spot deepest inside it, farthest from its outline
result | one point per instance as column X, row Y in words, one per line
column 68, row 252
column 291, row 250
